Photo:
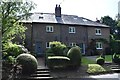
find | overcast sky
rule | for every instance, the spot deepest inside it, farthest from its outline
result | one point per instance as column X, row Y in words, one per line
column 90, row 9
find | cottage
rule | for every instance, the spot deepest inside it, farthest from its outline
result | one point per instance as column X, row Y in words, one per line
column 68, row 29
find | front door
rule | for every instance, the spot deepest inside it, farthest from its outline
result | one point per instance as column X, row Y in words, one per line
column 82, row 46
column 38, row 49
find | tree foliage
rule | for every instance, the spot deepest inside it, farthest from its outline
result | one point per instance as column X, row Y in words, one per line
column 11, row 14
column 107, row 20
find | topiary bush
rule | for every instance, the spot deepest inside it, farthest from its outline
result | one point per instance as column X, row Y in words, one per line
column 100, row 60
column 116, row 58
column 75, row 56
column 29, row 63
column 57, row 48
column 57, row 61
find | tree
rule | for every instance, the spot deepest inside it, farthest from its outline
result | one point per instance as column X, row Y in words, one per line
column 110, row 22
column 11, row 14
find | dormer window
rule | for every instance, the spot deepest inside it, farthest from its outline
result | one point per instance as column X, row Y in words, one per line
column 40, row 17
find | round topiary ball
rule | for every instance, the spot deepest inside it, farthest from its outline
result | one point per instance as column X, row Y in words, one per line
column 100, row 61
column 75, row 56
column 29, row 63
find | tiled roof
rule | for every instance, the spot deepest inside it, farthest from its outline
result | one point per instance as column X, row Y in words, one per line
column 64, row 19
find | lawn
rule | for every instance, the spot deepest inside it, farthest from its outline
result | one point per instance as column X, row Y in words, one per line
column 86, row 61
column 108, row 58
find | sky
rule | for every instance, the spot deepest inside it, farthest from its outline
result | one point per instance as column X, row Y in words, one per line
column 90, row 9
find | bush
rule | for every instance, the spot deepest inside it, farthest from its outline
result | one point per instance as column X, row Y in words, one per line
column 57, row 61
column 95, row 68
column 13, row 49
column 57, row 48
column 75, row 56
column 28, row 62
column 100, row 60
column 116, row 58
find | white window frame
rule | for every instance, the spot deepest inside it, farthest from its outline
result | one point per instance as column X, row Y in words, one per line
column 98, row 32
column 47, row 44
column 72, row 44
column 99, row 45
column 72, row 30
column 49, row 29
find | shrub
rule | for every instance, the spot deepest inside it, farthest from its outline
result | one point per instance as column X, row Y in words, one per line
column 116, row 58
column 57, row 48
column 100, row 60
column 95, row 68
column 57, row 61
column 28, row 62
column 13, row 49
column 75, row 56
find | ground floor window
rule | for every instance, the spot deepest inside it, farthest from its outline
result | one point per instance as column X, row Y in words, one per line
column 47, row 44
column 72, row 44
column 98, row 45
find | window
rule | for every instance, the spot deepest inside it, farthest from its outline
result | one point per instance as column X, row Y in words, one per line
column 47, row 45
column 71, row 29
column 98, row 45
column 49, row 28
column 98, row 31
column 72, row 44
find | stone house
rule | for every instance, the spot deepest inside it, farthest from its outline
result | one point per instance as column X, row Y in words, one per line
column 68, row 29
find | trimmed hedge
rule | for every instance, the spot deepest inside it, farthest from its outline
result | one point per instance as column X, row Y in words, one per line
column 95, row 68
column 116, row 58
column 75, row 56
column 100, row 60
column 57, row 61
column 29, row 63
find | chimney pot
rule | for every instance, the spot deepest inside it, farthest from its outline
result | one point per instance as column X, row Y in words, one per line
column 58, row 11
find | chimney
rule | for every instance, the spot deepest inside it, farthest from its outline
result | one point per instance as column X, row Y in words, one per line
column 57, row 11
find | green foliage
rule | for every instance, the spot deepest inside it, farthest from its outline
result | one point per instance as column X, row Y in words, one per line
column 100, row 60
column 12, row 49
column 57, row 61
column 57, row 48
column 75, row 56
column 115, row 45
column 29, row 63
column 116, row 58
column 11, row 13
column 95, row 68
column 110, row 22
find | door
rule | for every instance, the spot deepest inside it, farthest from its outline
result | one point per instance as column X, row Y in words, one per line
column 82, row 46
column 38, row 49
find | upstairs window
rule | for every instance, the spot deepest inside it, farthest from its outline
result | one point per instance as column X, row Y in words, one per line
column 49, row 28
column 98, row 45
column 97, row 31
column 71, row 29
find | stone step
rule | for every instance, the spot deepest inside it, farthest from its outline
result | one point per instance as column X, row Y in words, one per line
column 40, row 78
column 115, row 67
column 116, row 70
column 42, row 72
column 40, row 75
column 42, row 69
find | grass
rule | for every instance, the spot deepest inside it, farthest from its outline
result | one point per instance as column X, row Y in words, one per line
column 86, row 61
column 108, row 58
